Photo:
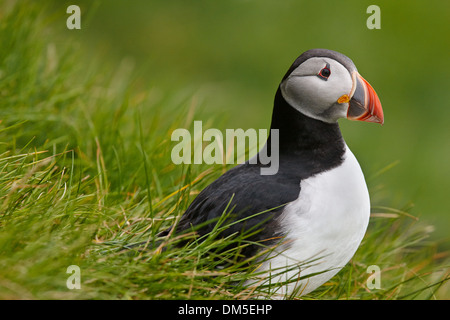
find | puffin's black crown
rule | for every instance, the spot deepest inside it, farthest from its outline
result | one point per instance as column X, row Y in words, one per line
column 316, row 53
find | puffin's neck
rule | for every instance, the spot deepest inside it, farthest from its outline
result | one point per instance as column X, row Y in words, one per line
column 299, row 134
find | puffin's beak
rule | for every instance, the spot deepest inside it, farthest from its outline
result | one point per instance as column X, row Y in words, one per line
column 364, row 104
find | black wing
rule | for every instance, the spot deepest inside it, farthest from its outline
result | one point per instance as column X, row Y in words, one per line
column 246, row 192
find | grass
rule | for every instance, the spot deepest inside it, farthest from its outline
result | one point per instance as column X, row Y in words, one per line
column 85, row 171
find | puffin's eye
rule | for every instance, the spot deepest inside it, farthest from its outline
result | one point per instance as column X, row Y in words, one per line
column 325, row 72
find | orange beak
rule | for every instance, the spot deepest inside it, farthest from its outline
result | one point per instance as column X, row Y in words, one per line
column 364, row 104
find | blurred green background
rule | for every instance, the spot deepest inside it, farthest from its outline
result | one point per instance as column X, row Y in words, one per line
column 229, row 56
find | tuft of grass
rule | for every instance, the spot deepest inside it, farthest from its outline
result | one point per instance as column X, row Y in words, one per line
column 85, row 173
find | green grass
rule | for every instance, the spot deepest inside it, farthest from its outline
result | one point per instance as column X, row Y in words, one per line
column 85, row 171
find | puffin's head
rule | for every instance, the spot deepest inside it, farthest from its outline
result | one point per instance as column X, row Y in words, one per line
column 325, row 85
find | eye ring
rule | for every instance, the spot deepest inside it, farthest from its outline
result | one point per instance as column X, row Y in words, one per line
column 325, row 72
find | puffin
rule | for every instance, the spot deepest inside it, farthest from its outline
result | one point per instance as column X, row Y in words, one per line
column 314, row 211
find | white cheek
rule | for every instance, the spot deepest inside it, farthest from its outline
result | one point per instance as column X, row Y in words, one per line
column 313, row 96
column 310, row 95
column 302, row 91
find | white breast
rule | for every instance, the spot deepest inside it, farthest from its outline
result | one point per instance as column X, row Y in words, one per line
column 323, row 228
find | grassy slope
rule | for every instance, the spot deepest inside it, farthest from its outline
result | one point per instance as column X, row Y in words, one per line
column 85, row 169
